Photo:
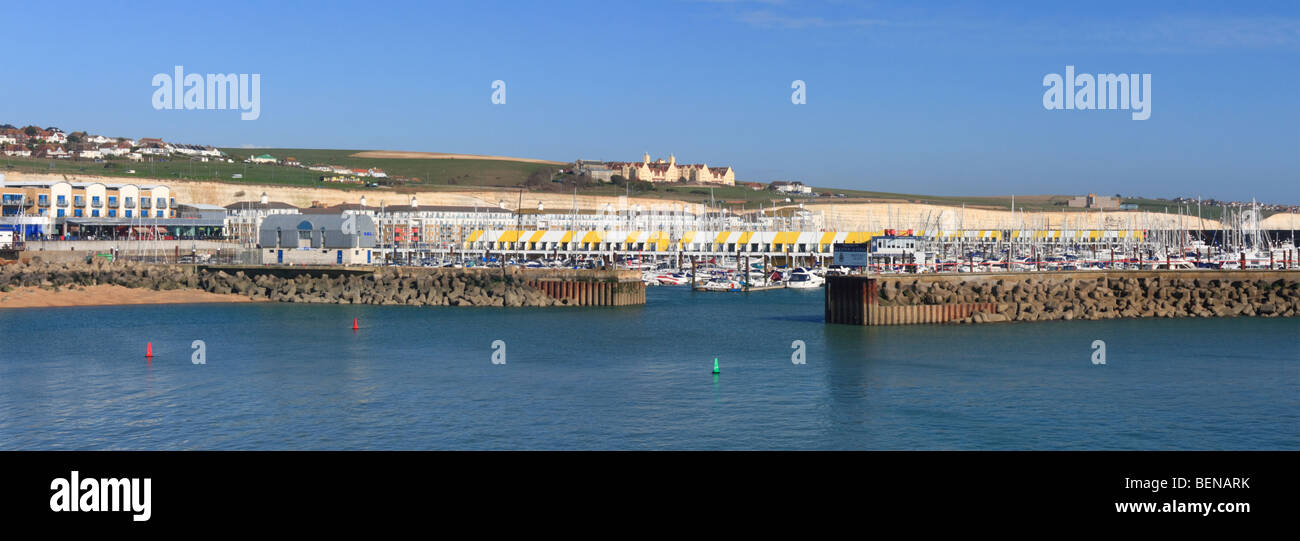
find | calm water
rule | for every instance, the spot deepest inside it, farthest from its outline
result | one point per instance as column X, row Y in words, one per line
column 298, row 377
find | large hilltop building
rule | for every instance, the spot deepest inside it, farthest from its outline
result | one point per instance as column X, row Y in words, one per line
column 671, row 171
column 1093, row 201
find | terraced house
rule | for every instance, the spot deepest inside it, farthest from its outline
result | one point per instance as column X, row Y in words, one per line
column 670, row 171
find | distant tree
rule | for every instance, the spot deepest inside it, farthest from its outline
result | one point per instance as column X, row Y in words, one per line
column 31, row 131
column 618, row 180
column 538, row 178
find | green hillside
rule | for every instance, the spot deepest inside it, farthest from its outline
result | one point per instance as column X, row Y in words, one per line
column 459, row 174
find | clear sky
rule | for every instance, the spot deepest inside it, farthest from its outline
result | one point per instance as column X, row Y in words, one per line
column 914, row 97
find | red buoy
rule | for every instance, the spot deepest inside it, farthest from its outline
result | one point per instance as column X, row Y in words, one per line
column 354, row 324
column 148, row 352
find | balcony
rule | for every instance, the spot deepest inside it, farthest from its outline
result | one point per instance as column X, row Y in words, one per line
column 43, row 202
column 63, row 202
column 129, row 203
column 78, row 202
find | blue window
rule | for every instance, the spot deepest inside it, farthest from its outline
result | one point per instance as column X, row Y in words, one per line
column 44, row 200
column 63, row 202
column 76, row 212
column 94, row 201
column 162, row 203
column 159, row 214
column 61, row 213
column 112, row 200
column 94, row 213
column 112, row 213
column 128, row 214
column 130, row 203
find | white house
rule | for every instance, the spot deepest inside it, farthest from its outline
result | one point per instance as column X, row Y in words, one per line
column 54, row 152
column 114, row 149
column 790, row 187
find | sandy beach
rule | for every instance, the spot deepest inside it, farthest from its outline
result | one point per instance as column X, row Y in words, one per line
column 108, row 295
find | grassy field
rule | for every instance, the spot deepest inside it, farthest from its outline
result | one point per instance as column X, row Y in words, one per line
column 428, row 174
column 451, row 172
column 461, row 174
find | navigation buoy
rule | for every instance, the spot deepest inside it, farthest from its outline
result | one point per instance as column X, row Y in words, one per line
column 715, row 365
column 354, row 324
column 148, row 352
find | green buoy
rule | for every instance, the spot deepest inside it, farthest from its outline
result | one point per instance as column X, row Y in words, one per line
column 715, row 365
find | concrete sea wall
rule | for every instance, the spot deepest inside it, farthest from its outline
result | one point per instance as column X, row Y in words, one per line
column 1047, row 296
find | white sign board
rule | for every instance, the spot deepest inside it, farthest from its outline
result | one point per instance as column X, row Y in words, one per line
column 851, row 255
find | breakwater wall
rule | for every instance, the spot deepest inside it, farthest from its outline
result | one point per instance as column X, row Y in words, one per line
column 350, row 285
column 1047, row 296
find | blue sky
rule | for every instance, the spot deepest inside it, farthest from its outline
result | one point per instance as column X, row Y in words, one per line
column 933, row 97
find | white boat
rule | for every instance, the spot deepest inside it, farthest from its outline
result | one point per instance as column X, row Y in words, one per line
column 672, row 278
column 803, row 278
column 721, row 285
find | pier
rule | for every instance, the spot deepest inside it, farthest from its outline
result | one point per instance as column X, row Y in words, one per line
column 570, row 287
column 875, row 300
column 328, row 284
